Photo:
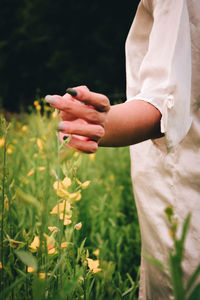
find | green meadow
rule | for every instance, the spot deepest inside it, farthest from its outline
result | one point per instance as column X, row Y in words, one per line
column 68, row 221
column 69, row 227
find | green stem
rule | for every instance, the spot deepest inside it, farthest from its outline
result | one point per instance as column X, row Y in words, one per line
column 74, row 260
column 59, row 226
column 45, row 219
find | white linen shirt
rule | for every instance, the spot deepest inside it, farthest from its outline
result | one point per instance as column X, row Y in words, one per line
column 163, row 68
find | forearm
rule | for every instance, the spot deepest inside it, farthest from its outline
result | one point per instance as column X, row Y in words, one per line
column 130, row 123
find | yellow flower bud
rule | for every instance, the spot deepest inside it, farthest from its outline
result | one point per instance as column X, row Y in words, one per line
column 78, row 226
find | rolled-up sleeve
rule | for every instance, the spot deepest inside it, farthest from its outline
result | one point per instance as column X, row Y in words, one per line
column 164, row 74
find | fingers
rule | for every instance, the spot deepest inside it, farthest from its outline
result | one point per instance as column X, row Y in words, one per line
column 80, row 144
column 75, row 108
column 79, row 127
column 99, row 101
column 84, row 115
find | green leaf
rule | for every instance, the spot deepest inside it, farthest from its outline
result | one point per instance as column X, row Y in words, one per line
column 176, row 277
column 195, row 295
column 183, row 236
column 193, row 278
column 28, row 259
column 28, row 199
column 90, row 287
column 80, row 249
column 155, row 261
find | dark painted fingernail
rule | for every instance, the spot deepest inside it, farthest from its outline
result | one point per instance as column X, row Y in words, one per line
column 65, row 137
column 72, row 92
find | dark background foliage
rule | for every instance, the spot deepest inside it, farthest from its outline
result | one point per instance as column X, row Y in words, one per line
column 47, row 46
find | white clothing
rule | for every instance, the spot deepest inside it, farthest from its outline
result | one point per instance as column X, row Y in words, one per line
column 163, row 68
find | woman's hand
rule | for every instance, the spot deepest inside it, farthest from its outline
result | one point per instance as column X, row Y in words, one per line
column 83, row 116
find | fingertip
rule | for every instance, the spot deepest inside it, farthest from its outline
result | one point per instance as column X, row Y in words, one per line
column 52, row 99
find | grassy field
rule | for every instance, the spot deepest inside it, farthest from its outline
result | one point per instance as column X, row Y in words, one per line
column 69, row 227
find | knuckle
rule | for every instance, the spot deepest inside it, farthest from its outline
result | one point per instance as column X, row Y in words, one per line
column 67, row 107
column 84, row 87
column 93, row 116
column 100, row 132
column 105, row 102
column 62, row 114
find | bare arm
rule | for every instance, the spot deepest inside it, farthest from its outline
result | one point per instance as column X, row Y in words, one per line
column 130, row 123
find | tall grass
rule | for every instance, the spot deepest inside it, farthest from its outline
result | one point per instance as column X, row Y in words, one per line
column 69, row 227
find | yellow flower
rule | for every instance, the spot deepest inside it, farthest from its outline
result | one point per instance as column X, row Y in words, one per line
column 61, row 207
column 6, row 204
column 2, row 141
column 67, row 222
column 75, row 196
column 96, row 252
column 52, row 251
column 68, row 215
column 1, row 267
column 66, row 182
column 50, row 244
column 92, row 156
column 41, row 168
column 93, row 265
column 76, row 154
column 62, row 193
column 66, row 218
column 38, row 107
column 30, row 270
column 85, row 184
column 35, row 243
column 42, row 275
column 47, row 108
column 78, row 197
column 53, row 228
column 24, row 128
column 40, row 144
column 61, row 186
column 31, row 172
column 50, row 241
column 78, row 226
column 171, row 233
column 9, row 151
column 36, row 103
column 64, row 245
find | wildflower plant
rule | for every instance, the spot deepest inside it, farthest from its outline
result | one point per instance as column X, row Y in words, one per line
column 55, row 226
column 181, row 291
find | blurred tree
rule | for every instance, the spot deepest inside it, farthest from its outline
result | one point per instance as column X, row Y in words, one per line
column 47, row 46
